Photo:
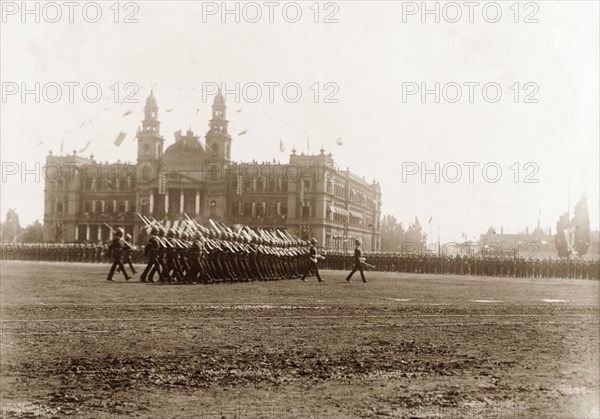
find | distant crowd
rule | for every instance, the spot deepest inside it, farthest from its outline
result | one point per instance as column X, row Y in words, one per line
column 470, row 265
column 387, row 262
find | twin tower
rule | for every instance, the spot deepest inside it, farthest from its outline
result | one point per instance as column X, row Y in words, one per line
column 151, row 142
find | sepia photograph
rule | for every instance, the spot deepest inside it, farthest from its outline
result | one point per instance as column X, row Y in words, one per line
column 300, row 209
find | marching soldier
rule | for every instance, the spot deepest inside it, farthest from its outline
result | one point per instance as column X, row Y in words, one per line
column 151, row 252
column 127, row 253
column 117, row 247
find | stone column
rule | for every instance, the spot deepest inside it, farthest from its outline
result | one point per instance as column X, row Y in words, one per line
column 87, row 232
column 181, row 201
column 151, row 201
column 197, row 203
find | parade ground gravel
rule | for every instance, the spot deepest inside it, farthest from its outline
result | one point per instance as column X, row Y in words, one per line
column 402, row 345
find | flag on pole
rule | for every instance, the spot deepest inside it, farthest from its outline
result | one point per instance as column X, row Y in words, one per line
column 85, row 147
column 127, row 113
column 243, row 132
column 281, row 146
column 430, row 218
column 120, row 138
column 339, row 141
column 570, row 237
column 62, row 143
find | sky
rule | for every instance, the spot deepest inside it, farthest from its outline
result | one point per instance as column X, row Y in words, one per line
column 517, row 151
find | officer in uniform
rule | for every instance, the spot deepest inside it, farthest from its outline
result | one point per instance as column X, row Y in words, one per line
column 313, row 261
column 358, row 260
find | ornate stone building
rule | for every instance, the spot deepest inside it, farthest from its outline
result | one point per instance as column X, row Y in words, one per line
column 309, row 195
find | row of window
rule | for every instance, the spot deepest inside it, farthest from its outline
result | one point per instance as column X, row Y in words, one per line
column 92, row 233
column 259, row 209
column 110, row 206
column 262, row 184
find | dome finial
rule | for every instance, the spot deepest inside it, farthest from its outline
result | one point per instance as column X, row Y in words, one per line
column 151, row 100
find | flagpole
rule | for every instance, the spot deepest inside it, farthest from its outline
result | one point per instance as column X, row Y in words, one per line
column 431, row 234
column 569, row 199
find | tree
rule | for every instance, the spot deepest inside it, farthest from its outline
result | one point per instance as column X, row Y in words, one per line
column 581, row 223
column 33, row 233
column 560, row 240
column 415, row 236
column 392, row 234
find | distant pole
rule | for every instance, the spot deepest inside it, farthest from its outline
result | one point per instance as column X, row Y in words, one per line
column 569, row 199
column 431, row 234
column 439, row 243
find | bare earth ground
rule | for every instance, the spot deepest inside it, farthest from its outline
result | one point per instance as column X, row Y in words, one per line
column 400, row 346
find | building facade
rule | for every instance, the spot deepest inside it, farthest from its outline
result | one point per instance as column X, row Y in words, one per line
column 309, row 196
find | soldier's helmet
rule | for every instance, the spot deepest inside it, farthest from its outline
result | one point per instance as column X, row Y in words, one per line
column 176, row 234
column 313, row 241
column 128, row 236
column 171, row 233
column 161, row 232
column 197, row 235
column 357, row 242
column 120, row 232
column 184, row 236
column 154, row 231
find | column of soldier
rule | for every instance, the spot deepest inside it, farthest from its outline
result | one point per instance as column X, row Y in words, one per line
column 194, row 254
column 517, row 267
column 392, row 262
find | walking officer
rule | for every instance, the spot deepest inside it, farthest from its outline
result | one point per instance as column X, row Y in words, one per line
column 313, row 261
column 358, row 261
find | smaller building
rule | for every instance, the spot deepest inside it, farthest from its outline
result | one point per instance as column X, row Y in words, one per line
column 538, row 243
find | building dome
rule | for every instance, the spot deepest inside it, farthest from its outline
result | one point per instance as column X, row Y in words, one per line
column 187, row 153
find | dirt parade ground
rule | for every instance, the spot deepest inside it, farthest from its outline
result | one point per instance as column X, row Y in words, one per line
column 402, row 345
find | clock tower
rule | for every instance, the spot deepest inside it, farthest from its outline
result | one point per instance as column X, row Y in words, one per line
column 218, row 139
column 150, row 142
